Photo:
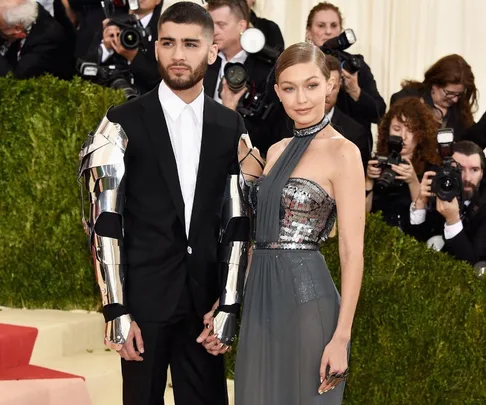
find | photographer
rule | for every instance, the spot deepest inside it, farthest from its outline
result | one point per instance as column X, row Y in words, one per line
column 231, row 19
column 463, row 218
column 138, row 61
column 448, row 89
column 32, row 42
column 406, row 149
column 359, row 98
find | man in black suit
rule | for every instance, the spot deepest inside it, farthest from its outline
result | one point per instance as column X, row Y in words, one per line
column 231, row 19
column 140, row 62
column 180, row 148
column 273, row 35
column 463, row 229
column 32, row 42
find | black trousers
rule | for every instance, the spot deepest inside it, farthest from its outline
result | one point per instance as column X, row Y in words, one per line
column 198, row 378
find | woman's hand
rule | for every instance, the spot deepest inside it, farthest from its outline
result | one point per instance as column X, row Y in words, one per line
column 406, row 172
column 334, row 365
column 425, row 190
column 372, row 173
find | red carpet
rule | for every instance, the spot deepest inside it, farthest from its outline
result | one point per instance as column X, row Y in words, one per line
column 16, row 346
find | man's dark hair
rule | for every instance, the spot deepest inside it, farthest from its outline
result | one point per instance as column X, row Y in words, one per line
column 187, row 12
column 238, row 7
column 333, row 63
column 469, row 148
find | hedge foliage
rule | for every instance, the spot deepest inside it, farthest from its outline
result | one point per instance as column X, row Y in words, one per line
column 44, row 256
column 420, row 330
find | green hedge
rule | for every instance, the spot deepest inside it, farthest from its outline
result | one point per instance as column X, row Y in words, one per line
column 44, row 256
column 420, row 329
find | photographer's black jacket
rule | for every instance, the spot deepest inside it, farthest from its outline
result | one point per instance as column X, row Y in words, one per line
column 273, row 35
column 370, row 106
column 45, row 50
column 470, row 243
column 477, row 132
column 258, row 72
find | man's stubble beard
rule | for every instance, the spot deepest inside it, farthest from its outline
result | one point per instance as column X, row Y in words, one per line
column 178, row 83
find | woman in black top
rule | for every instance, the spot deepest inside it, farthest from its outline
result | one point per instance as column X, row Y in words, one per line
column 411, row 122
column 448, row 89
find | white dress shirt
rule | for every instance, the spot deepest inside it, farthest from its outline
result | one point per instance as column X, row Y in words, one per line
column 418, row 217
column 240, row 57
column 106, row 53
column 185, row 122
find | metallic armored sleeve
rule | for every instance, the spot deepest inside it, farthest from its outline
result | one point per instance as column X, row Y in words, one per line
column 233, row 253
column 102, row 170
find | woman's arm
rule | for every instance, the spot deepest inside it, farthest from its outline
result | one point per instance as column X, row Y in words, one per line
column 349, row 193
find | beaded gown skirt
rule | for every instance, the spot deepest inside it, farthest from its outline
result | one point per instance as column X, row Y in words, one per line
column 291, row 304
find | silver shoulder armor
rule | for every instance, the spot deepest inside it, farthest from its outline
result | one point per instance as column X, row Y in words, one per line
column 233, row 256
column 102, row 170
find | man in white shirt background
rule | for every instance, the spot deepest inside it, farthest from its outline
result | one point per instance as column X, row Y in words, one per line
column 464, row 228
column 231, row 19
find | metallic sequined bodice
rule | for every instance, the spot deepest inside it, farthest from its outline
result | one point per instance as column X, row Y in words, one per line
column 307, row 213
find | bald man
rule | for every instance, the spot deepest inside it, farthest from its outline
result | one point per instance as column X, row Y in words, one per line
column 32, row 42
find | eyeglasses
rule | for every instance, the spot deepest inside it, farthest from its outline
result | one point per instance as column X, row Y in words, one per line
column 452, row 94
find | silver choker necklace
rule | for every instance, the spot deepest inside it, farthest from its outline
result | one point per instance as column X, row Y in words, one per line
column 314, row 129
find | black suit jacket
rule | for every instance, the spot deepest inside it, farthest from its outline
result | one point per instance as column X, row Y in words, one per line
column 46, row 50
column 162, row 262
column 477, row 132
column 258, row 72
column 354, row 132
column 370, row 106
column 470, row 243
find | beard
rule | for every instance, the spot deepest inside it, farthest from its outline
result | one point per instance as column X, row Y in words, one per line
column 469, row 194
column 179, row 83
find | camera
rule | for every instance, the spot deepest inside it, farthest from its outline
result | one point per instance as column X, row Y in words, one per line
column 388, row 176
column 131, row 30
column 447, row 182
column 335, row 47
column 113, row 76
column 256, row 101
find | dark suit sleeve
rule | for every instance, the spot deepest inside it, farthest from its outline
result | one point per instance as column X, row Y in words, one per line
column 477, row 132
column 275, row 35
column 470, row 248
column 39, row 60
column 370, row 104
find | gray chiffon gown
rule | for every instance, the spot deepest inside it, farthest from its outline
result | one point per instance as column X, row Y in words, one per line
column 291, row 304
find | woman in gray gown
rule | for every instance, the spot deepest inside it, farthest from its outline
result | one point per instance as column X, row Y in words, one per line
column 295, row 332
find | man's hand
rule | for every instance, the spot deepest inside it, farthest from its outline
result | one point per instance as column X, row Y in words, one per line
column 110, row 32
column 449, row 210
column 229, row 98
column 128, row 351
column 207, row 338
column 128, row 54
column 425, row 190
column 350, row 82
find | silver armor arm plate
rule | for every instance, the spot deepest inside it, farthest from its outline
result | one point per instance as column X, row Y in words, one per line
column 233, row 250
column 101, row 173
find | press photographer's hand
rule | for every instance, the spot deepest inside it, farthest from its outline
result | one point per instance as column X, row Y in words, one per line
column 406, row 172
column 229, row 98
column 128, row 54
column 449, row 210
column 425, row 190
column 110, row 33
column 350, row 83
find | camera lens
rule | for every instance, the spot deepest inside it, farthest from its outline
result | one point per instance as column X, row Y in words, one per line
column 130, row 38
column 236, row 76
column 122, row 84
column 386, row 179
